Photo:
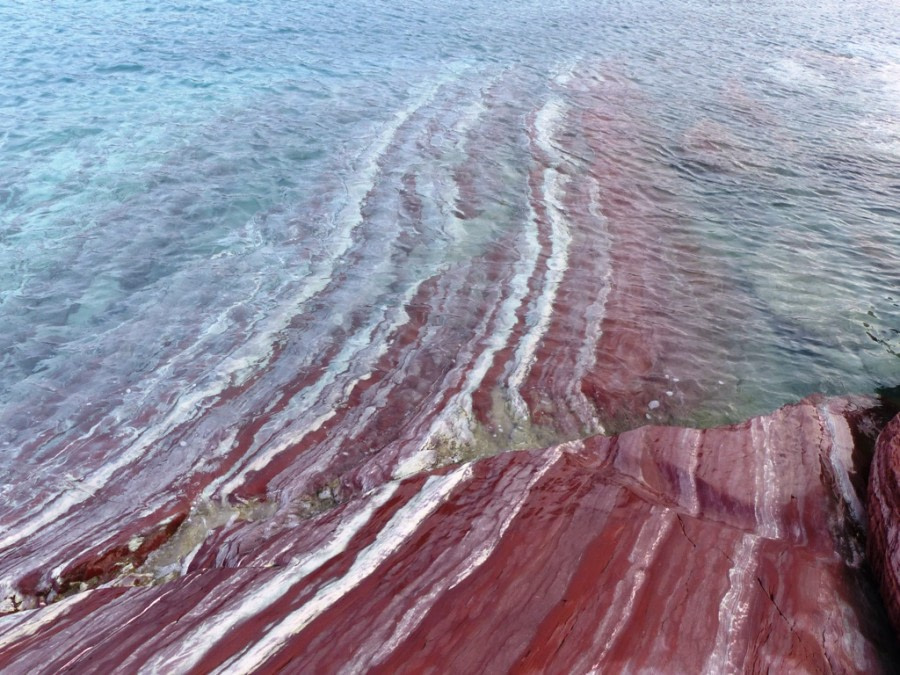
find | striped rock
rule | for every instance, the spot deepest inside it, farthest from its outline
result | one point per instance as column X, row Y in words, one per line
column 499, row 267
column 734, row 549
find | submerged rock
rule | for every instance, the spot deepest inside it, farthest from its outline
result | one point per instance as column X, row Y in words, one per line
column 735, row 549
column 280, row 500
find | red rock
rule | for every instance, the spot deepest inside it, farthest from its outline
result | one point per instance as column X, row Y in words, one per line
column 537, row 298
column 736, row 549
column 500, row 278
column 884, row 518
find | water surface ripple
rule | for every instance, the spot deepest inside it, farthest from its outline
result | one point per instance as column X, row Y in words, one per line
column 237, row 238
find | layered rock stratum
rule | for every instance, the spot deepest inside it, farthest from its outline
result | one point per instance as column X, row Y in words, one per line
column 332, row 487
column 734, row 549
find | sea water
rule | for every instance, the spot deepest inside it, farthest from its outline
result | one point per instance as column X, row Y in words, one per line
column 178, row 181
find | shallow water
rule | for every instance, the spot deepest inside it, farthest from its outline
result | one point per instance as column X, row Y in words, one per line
column 192, row 192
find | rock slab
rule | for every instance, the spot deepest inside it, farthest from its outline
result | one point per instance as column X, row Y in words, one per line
column 735, row 549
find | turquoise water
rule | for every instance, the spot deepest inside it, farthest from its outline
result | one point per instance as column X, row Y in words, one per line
column 172, row 176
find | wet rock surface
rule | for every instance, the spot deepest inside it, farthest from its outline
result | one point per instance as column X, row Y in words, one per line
column 734, row 549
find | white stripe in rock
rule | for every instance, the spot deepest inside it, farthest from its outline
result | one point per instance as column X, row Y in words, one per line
column 646, row 545
column 840, row 456
column 687, row 478
column 404, row 523
column 734, row 609
column 259, row 457
column 595, row 312
column 455, row 420
column 350, row 353
column 255, row 599
column 241, row 365
column 766, row 501
column 372, row 654
column 547, row 122
column 29, row 622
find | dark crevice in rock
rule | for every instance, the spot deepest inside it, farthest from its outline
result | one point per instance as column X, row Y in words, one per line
column 771, row 597
column 683, row 531
column 116, row 561
column 326, row 494
column 150, row 558
column 91, row 571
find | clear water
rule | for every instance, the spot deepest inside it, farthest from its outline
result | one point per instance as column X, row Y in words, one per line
column 175, row 180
